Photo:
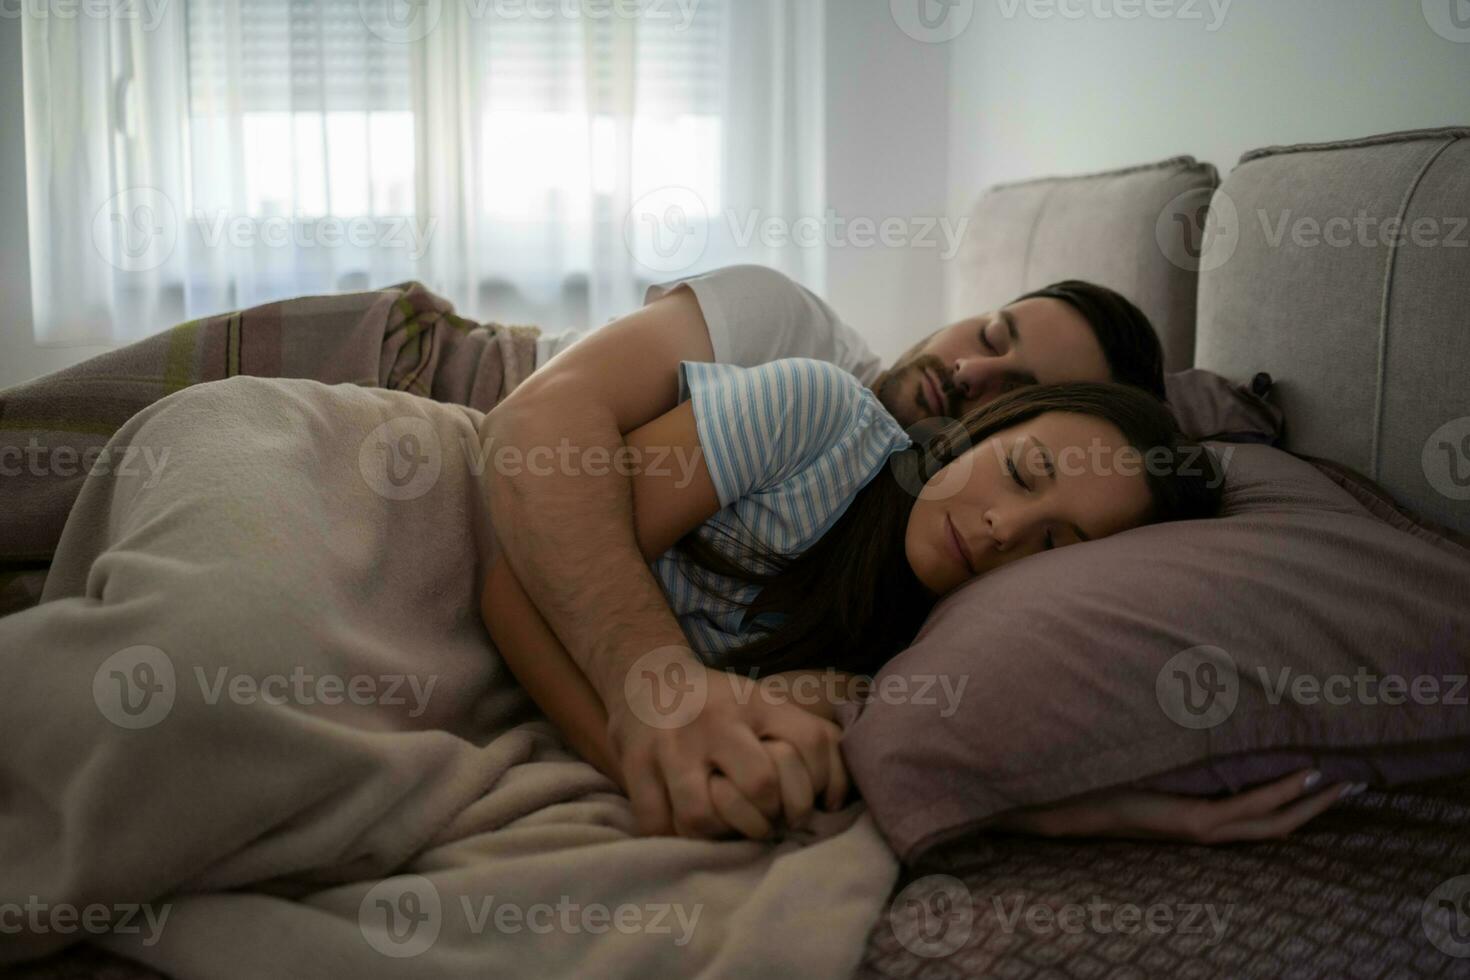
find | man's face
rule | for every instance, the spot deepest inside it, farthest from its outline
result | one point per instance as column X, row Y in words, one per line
column 974, row 361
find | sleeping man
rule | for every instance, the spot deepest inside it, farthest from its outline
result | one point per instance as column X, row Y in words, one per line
column 576, row 543
column 154, row 696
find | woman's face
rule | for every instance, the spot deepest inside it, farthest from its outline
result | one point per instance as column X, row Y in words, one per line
column 1049, row 482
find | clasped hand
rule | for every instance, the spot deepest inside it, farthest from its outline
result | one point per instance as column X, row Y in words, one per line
column 745, row 766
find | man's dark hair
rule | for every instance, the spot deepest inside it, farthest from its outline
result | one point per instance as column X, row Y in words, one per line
column 1127, row 338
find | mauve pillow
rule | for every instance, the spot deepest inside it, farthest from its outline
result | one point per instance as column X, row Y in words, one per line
column 1199, row 656
column 1208, row 406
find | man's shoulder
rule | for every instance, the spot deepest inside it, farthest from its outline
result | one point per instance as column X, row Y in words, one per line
column 742, row 276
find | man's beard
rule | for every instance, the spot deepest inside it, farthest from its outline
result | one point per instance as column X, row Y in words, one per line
column 898, row 391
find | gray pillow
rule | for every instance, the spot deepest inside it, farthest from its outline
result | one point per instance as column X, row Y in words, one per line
column 1135, row 230
column 1197, row 657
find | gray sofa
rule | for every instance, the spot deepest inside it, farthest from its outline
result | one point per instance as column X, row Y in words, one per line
column 1370, row 349
column 1298, row 271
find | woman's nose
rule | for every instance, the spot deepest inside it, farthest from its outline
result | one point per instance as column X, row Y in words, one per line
column 995, row 526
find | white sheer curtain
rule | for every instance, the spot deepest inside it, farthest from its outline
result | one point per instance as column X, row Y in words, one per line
column 534, row 160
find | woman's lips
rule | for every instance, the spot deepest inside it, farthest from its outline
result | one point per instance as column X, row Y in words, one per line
column 957, row 544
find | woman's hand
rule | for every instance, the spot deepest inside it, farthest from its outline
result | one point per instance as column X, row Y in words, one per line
column 798, row 796
column 1268, row 812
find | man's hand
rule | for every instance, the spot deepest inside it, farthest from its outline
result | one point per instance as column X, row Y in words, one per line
column 700, row 760
column 1267, row 812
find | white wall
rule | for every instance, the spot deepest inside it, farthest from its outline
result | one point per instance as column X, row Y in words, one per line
column 1038, row 95
column 887, row 158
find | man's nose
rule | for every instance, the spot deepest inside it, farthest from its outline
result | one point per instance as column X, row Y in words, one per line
column 975, row 376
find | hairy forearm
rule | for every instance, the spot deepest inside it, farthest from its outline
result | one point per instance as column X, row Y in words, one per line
column 566, row 527
column 543, row 667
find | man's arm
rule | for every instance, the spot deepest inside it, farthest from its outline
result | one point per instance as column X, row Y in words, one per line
column 566, row 523
column 664, row 511
column 541, row 665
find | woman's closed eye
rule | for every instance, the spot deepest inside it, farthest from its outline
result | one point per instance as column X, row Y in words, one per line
column 1049, row 540
column 1016, row 474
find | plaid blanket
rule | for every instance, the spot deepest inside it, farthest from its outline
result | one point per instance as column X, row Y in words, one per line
column 54, row 430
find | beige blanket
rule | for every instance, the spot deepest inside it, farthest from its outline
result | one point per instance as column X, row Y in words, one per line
column 257, row 726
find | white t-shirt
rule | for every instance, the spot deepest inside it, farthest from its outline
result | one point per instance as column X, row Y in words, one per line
column 757, row 315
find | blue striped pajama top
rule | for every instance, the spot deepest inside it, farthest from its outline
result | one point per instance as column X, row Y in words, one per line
column 788, row 444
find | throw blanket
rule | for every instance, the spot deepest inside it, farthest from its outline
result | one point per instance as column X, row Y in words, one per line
column 405, row 338
column 256, row 724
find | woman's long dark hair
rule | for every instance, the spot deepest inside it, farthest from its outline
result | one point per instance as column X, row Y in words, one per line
column 851, row 601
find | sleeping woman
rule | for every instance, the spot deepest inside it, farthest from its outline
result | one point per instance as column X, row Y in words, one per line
column 811, row 536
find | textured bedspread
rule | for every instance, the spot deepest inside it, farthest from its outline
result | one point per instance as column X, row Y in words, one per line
column 256, row 725
column 1368, row 890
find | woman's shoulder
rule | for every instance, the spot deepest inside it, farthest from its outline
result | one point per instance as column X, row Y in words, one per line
column 800, row 399
column 799, row 378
